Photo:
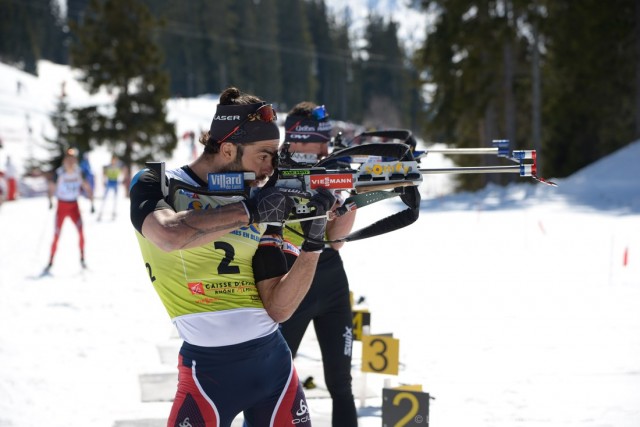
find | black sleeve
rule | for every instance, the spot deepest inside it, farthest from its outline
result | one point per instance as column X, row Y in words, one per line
column 269, row 260
column 290, row 259
column 146, row 196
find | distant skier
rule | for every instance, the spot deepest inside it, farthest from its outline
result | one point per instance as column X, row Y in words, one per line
column 111, row 176
column 88, row 172
column 11, row 175
column 190, row 137
column 3, row 189
column 66, row 185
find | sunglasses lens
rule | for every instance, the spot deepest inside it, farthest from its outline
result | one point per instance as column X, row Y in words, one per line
column 266, row 113
column 320, row 113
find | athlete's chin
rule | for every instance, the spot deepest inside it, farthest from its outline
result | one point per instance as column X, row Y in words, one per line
column 259, row 182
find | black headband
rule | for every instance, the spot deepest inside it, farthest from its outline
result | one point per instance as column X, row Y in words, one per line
column 306, row 129
column 228, row 117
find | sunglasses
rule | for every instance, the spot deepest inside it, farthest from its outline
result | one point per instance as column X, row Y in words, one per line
column 265, row 113
column 319, row 113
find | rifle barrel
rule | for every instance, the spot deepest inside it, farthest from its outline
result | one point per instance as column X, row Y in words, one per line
column 472, row 169
column 493, row 150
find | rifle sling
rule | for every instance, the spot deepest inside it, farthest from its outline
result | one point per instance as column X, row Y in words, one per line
column 410, row 196
column 385, row 225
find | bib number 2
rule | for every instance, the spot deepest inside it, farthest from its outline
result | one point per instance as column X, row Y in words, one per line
column 225, row 266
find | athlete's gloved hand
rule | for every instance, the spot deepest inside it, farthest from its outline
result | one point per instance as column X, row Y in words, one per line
column 269, row 205
column 314, row 229
column 50, row 204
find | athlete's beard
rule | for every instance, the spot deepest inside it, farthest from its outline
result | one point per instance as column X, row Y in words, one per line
column 236, row 166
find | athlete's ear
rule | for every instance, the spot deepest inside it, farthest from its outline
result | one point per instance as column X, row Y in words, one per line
column 228, row 150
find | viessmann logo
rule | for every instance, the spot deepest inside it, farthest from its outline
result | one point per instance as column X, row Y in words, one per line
column 342, row 180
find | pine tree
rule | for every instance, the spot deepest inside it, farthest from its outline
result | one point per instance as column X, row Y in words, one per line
column 220, row 66
column 73, row 129
column 257, row 50
column 339, row 80
column 475, row 60
column 267, row 64
column 589, row 82
column 297, row 53
column 61, row 121
column 182, row 42
column 324, row 52
column 116, row 50
column 563, row 72
column 30, row 31
column 385, row 76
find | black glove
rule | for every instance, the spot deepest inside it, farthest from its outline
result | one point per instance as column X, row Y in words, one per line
column 269, row 205
column 314, row 229
column 50, row 204
column 93, row 209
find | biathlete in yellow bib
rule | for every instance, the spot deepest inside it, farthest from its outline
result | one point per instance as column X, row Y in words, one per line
column 111, row 174
column 220, row 272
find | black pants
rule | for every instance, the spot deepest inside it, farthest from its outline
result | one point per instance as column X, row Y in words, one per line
column 327, row 304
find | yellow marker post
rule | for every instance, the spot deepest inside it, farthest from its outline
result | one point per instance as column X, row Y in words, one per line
column 361, row 319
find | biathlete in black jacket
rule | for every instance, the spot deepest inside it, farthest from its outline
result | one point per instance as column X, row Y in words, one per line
column 327, row 304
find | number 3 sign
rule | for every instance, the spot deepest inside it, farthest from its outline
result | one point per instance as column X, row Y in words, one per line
column 380, row 354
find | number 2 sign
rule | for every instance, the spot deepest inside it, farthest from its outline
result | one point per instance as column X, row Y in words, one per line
column 404, row 408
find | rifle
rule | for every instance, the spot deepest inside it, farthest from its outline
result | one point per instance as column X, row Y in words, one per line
column 369, row 172
column 526, row 161
column 376, row 171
